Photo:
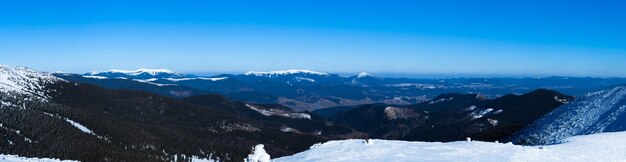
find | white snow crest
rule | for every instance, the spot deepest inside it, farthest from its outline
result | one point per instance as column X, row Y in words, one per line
column 258, row 155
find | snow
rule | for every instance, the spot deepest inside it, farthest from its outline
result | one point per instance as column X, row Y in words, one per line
column 471, row 108
column 561, row 100
column 198, row 78
column 197, row 159
column 597, row 147
column 440, row 100
column 363, row 75
column 15, row 158
column 77, row 125
column 80, row 126
column 305, row 79
column 273, row 112
column 479, row 113
column 6, row 103
column 284, row 72
column 287, row 129
column 393, row 113
column 146, row 80
column 493, row 121
column 150, row 81
column 95, row 77
column 258, row 155
column 26, row 139
column 137, row 72
column 24, row 80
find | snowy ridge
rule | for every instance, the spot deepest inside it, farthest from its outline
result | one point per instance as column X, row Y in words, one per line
column 284, row 72
column 597, row 147
column 153, row 72
column 24, row 80
column 592, row 113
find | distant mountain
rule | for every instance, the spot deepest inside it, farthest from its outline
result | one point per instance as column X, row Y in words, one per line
column 293, row 77
column 123, row 83
column 602, row 111
column 45, row 116
column 138, row 74
column 451, row 117
column 310, row 90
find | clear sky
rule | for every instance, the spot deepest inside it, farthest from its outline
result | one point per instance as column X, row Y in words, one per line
column 516, row 37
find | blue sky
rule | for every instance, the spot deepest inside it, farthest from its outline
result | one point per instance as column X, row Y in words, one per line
column 482, row 38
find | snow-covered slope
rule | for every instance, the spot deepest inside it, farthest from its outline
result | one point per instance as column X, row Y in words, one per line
column 597, row 147
column 24, row 80
column 15, row 158
column 602, row 111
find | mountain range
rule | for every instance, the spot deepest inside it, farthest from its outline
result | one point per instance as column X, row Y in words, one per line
column 310, row 90
column 161, row 115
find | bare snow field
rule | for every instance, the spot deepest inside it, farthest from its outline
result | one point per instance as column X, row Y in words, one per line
column 597, row 147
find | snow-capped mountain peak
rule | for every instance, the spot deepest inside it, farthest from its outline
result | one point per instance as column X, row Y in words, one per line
column 24, row 80
column 137, row 72
column 284, row 72
column 363, row 75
